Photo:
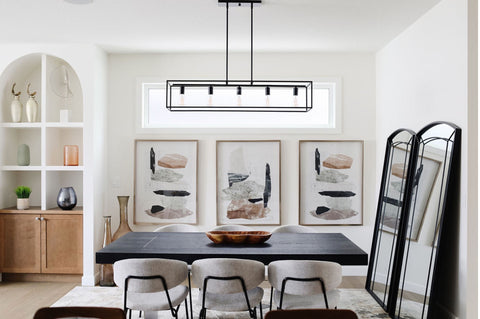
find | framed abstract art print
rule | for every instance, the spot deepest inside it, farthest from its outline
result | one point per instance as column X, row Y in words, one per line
column 165, row 182
column 331, row 182
column 248, row 182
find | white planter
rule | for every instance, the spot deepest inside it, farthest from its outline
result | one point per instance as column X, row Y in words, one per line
column 23, row 203
column 16, row 108
column 31, row 109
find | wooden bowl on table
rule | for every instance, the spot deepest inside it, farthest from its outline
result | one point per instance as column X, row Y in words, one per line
column 238, row 237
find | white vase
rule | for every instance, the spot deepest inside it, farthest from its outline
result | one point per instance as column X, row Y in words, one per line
column 23, row 203
column 16, row 108
column 31, row 109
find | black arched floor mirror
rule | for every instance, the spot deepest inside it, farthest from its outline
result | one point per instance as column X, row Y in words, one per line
column 410, row 230
column 438, row 161
column 400, row 155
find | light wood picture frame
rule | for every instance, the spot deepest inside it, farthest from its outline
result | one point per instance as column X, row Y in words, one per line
column 331, row 182
column 248, row 182
column 165, row 182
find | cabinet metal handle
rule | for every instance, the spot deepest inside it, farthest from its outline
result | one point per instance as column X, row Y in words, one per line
column 41, row 218
column 37, row 218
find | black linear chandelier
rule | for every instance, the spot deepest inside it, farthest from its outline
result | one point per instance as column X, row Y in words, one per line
column 252, row 95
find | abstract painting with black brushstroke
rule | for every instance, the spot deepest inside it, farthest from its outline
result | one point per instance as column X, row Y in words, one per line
column 248, row 182
column 165, row 182
column 331, row 179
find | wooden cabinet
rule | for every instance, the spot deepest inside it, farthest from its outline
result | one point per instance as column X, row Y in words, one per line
column 35, row 241
column 20, row 243
column 62, row 249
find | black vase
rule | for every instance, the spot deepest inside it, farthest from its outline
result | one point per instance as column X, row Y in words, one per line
column 67, row 199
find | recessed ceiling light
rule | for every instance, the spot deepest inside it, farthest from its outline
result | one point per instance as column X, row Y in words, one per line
column 79, row 1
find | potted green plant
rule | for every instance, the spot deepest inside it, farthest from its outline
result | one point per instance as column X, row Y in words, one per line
column 23, row 194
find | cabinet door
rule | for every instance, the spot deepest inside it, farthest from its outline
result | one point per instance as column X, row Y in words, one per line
column 62, row 244
column 19, row 243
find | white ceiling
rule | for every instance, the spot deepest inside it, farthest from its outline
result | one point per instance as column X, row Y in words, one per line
column 199, row 25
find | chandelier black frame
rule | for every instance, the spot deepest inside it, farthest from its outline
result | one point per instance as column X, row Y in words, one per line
column 305, row 88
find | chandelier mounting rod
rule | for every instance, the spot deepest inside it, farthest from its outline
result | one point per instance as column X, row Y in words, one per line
column 227, row 2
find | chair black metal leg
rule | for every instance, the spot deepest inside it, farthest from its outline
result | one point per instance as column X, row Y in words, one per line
column 203, row 313
column 140, row 315
column 261, row 314
column 190, row 294
column 271, row 297
column 186, row 308
column 253, row 314
column 130, row 315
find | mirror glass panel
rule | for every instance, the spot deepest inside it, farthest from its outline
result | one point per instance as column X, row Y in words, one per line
column 429, row 190
column 392, row 200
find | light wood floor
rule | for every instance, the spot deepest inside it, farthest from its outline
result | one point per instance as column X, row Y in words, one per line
column 21, row 299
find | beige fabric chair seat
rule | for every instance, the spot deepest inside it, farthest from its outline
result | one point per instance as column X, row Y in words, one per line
column 293, row 229
column 183, row 228
column 221, row 281
column 146, row 282
column 156, row 301
column 305, row 294
column 232, row 302
column 307, row 301
column 232, row 228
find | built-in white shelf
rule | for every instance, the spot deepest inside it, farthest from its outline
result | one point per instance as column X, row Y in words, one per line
column 14, row 168
column 46, row 138
column 22, row 125
column 65, row 125
column 39, row 125
column 65, row 168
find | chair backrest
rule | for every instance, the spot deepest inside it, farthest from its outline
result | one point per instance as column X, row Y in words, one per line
column 185, row 228
column 311, row 314
column 173, row 271
column 252, row 272
column 293, row 229
column 329, row 272
column 232, row 228
column 79, row 312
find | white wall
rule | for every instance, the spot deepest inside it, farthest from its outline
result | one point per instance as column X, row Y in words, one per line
column 422, row 76
column 358, row 78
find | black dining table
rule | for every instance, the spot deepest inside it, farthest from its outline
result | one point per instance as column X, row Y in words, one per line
column 189, row 247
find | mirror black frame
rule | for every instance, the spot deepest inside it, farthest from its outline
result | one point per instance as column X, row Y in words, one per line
column 447, row 195
column 397, row 250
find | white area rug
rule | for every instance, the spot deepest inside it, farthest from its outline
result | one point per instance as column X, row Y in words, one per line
column 358, row 300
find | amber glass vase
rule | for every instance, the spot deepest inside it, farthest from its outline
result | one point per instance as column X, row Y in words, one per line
column 106, row 270
column 123, row 228
column 70, row 155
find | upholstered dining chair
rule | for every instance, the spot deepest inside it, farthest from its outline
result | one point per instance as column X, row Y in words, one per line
column 229, row 284
column 293, row 229
column 177, row 228
column 304, row 284
column 152, row 284
column 232, row 228
column 311, row 314
column 79, row 312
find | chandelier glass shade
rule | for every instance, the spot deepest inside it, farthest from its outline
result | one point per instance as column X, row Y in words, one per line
column 239, row 95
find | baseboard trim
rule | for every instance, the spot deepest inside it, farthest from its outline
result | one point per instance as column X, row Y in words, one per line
column 354, row 270
column 41, row 277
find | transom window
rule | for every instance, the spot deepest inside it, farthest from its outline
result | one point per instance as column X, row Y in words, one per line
column 324, row 114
